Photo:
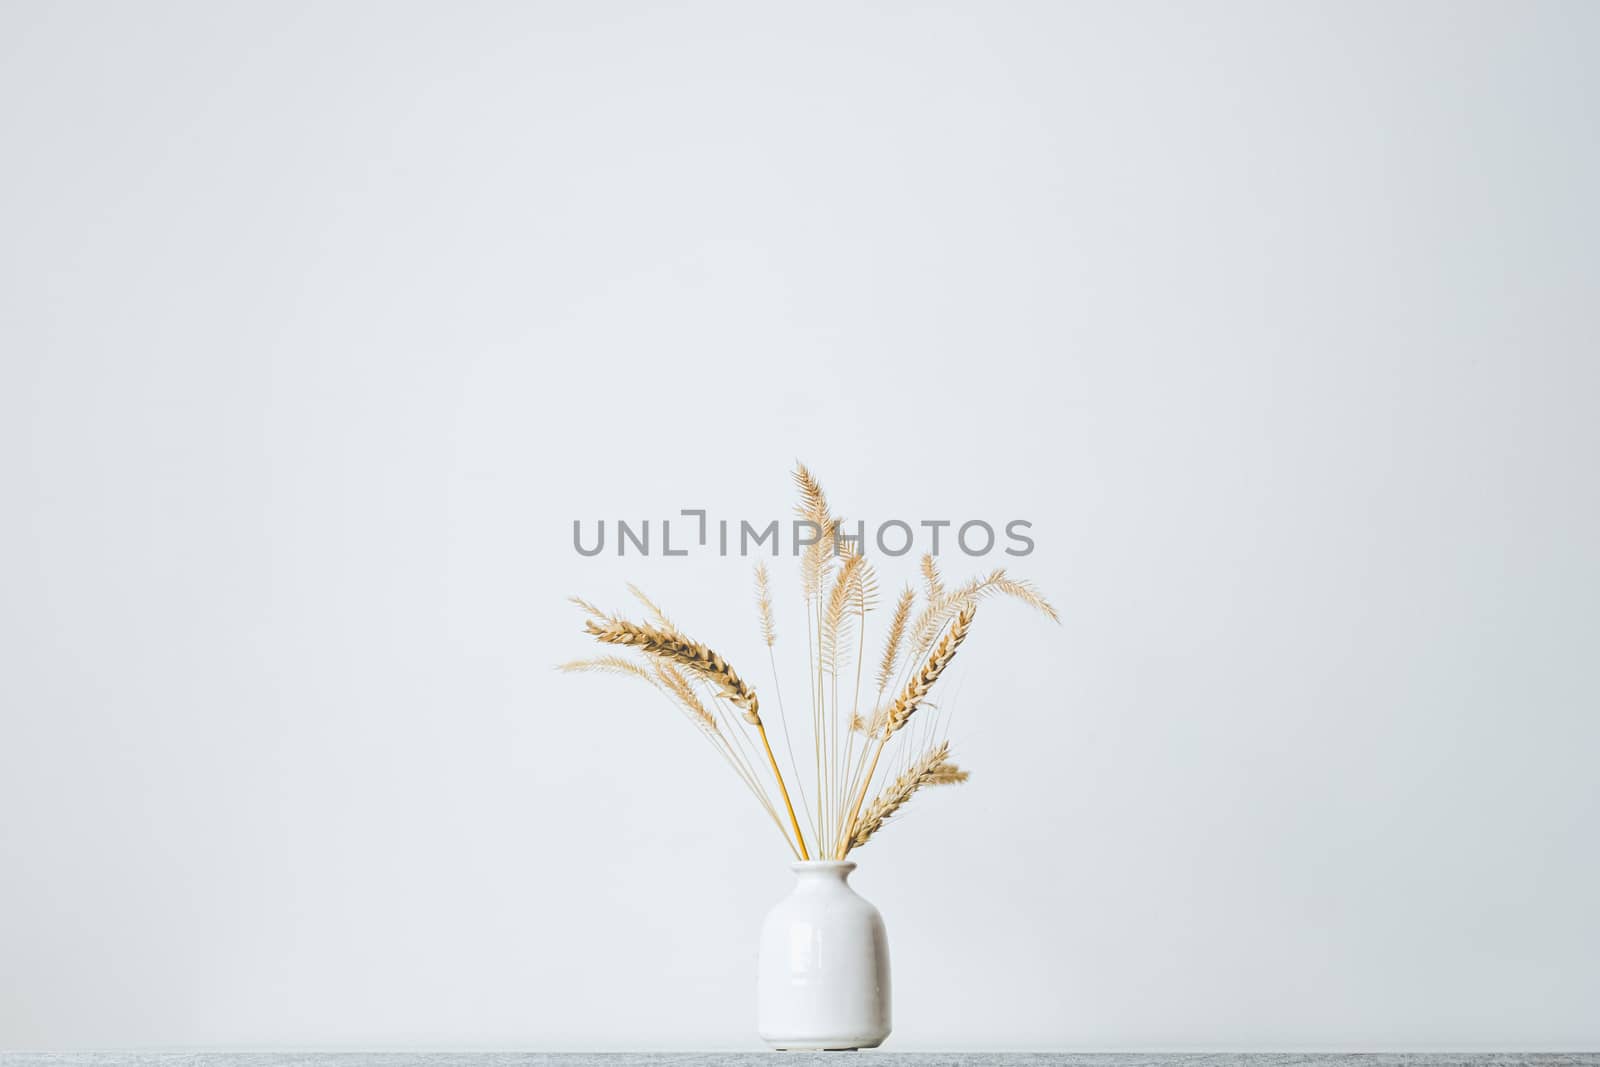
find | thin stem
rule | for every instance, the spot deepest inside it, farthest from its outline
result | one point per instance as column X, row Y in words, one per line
column 738, row 747
column 855, row 813
column 821, row 728
column 816, row 730
column 788, row 743
column 718, row 742
column 799, row 837
column 855, row 701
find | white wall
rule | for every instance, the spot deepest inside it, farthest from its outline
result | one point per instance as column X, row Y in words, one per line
column 322, row 322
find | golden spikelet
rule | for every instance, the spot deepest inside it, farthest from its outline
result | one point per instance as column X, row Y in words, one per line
column 677, row 648
column 916, row 689
column 933, row 768
column 769, row 632
column 894, row 638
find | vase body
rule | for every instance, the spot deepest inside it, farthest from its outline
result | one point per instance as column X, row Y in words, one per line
column 823, row 977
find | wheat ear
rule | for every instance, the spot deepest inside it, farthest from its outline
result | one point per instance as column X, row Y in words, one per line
column 916, row 690
column 674, row 646
column 933, row 768
column 896, row 715
column 680, row 649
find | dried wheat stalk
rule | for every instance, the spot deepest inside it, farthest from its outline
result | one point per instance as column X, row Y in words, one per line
column 898, row 713
column 668, row 680
column 676, row 647
column 933, row 768
column 713, row 668
column 916, row 690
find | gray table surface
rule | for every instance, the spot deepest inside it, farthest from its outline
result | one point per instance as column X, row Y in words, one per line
column 798, row 1059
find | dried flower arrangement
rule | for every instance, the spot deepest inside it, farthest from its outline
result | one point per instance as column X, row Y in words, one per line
column 839, row 590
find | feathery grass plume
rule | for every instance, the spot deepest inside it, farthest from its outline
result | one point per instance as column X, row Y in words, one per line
column 864, row 593
column 813, row 509
column 939, row 610
column 608, row 665
column 675, row 683
column 843, row 544
column 657, row 616
column 813, row 501
column 680, row 649
column 932, row 768
column 820, row 557
column 837, row 617
column 659, row 676
column 931, row 576
column 894, row 638
column 769, row 632
column 916, row 689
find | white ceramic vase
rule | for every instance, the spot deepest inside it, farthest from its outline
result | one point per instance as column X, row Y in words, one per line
column 823, row 978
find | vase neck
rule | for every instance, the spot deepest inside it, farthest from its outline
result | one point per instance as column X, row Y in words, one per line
column 813, row 876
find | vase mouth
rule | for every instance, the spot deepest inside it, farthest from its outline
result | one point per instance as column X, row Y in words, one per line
column 822, row 866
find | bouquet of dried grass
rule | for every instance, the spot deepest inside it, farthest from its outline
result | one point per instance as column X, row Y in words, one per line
column 839, row 590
